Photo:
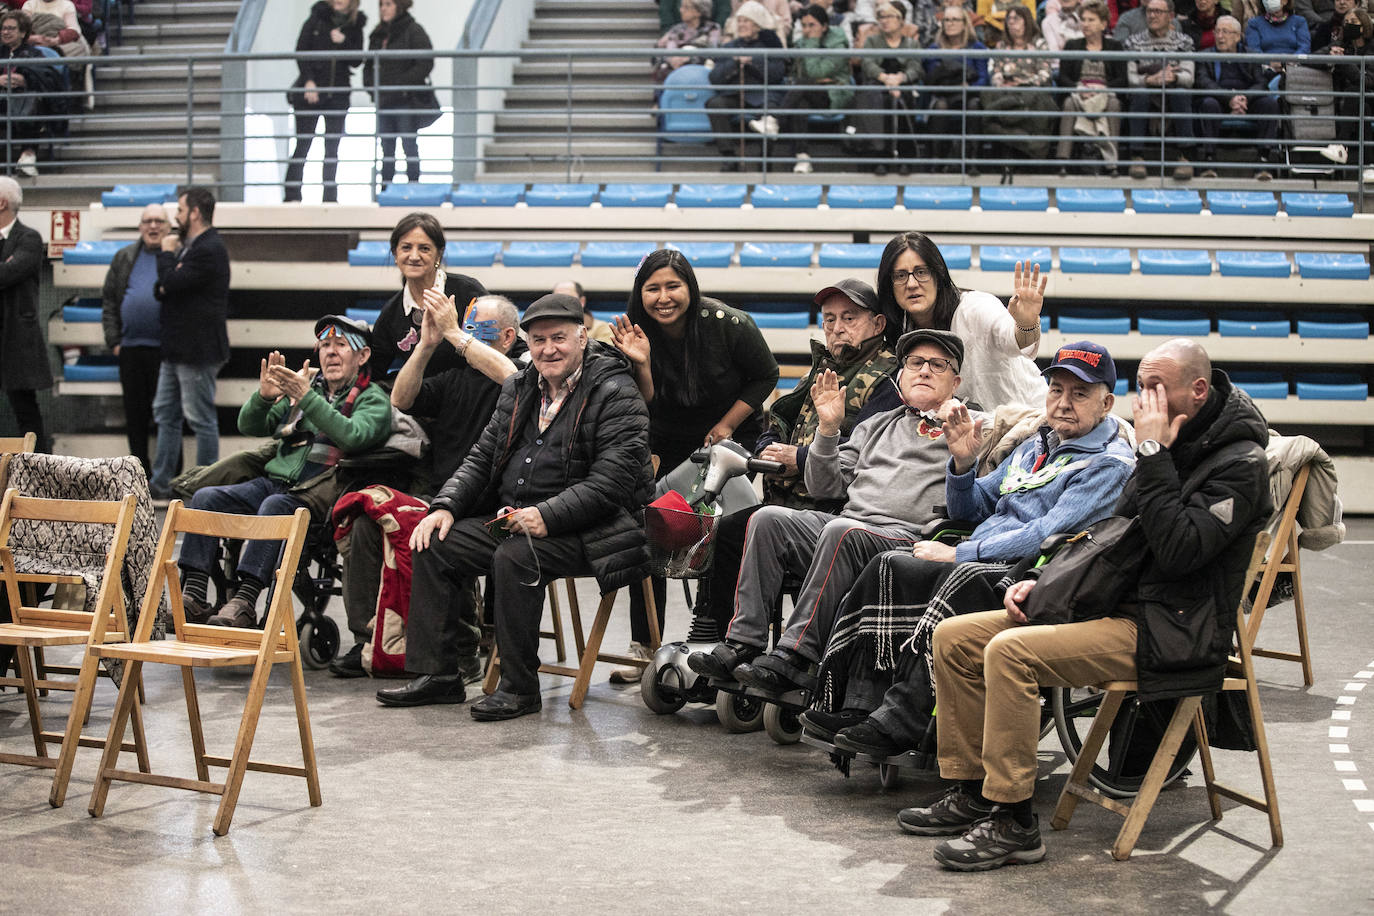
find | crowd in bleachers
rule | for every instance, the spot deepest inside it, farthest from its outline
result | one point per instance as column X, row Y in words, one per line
column 890, row 103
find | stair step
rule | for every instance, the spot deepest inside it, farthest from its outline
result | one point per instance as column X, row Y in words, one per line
column 187, row 48
column 524, row 149
column 145, row 33
column 146, row 151
column 158, row 120
column 562, row 43
column 130, row 100
column 600, row 8
column 558, row 69
column 134, row 72
column 184, row 9
column 606, row 25
column 610, row 97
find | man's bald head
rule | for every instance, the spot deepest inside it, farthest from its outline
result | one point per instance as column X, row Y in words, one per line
column 1183, row 369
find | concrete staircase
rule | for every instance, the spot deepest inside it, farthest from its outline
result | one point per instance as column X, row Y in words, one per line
column 611, row 122
column 138, row 130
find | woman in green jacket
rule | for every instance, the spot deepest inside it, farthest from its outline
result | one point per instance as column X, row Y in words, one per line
column 809, row 77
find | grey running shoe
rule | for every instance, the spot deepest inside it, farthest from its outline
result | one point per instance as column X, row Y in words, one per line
column 993, row 842
column 951, row 815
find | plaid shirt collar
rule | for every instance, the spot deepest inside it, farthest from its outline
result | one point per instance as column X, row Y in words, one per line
column 551, row 401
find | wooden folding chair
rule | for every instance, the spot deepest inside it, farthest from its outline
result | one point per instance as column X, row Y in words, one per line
column 1284, row 558
column 201, row 646
column 1241, row 676
column 589, row 649
column 34, row 628
column 10, row 446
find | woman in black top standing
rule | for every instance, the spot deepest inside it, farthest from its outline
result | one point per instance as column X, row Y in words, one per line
column 396, row 114
column 321, row 90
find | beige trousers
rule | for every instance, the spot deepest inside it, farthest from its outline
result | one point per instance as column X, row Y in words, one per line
column 988, row 675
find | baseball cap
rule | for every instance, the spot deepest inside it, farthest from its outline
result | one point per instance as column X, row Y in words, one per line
column 1089, row 361
column 856, row 291
column 945, row 340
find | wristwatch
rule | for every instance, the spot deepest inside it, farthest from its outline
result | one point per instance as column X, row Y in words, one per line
column 1147, row 448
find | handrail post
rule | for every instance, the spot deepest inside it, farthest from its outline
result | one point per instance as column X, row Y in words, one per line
column 190, row 120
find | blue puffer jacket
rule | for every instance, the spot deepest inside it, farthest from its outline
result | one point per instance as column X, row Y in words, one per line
column 1026, row 499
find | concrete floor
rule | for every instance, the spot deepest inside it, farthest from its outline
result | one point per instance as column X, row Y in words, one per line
column 613, row 809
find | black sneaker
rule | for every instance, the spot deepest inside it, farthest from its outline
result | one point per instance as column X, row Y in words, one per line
column 868, row 738
column 952, row 814
column 471, row 669
column 721, row 662
column 824, row 725
column 350, row 664
column 995, row 841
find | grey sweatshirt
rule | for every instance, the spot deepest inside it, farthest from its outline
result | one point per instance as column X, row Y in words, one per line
column 892, row 469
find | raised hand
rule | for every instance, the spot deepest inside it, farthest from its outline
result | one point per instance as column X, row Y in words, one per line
column 268, row 388
column 630, row 339
column 441, row 309
column 1028, row 295
column 1150, row 417
column 963, row 435
column 828, row 396
column 293, row 384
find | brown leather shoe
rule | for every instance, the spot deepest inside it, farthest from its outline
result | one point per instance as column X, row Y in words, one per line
column 197, row 611
column 237, row 612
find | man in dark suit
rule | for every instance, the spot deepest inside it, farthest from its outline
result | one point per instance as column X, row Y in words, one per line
column 1239, row 91
column 193, row 287
column 24, row 367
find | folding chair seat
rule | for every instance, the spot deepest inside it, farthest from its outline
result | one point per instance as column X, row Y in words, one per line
column 1298, row 203
column 1188, row 712
column 201, row 646
column 34, row 628
column 1332, row 265
column 588, row 649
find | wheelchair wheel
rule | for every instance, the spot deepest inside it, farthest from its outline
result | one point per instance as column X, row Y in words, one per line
column 782, row 725
column 738, row 713
column 662, row 699
column 319, row 641
column 1135, row 734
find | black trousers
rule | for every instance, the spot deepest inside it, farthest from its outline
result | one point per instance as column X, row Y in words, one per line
column 24, row 403
column 306, row 122
column 436, row 633
column 138, row 368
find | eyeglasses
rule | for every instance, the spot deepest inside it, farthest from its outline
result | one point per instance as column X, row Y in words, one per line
column 152, row 222
column 937, row 365
column 900, row 277
column 1156, row 11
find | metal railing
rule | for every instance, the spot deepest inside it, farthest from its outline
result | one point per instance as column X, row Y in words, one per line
column 237, row 136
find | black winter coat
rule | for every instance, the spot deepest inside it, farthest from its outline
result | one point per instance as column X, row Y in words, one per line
column 23, row 352
column 1071, row 69
column 327, row 74
column 607, row 465
column 194, row 291
column 400, row 34
column 1201, row 533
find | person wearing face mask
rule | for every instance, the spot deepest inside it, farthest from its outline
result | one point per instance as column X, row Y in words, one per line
column 1236, row 90
column 874, row 692
column 1355, row 42
column 1277, row 31
column 827, row 549
column 1326, row 30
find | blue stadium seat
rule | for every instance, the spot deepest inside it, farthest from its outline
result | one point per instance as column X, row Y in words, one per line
column 92, row 369
column 1254, row 264
column 1344, row 326
column 371, row 254
column 615, row 254
column 860, row 256
column 363, row 314
column 138, row 195
column 1121, row 388
column 1168, row 323
column 1266, row 385
column 682, row 108
column 607, row 317
column 1331, row 386
column 1090, row 200
column 781, row 319
column 862, row 196
column 1251, row 203
column 91, row 252
column 1253, row 324
column 479, row 194
column 705, row 254
column 421, row 194
column 1298, row 203
column 1331, row 265
column 1166, row 200
column 561, row 195
column 471, row 254
column 1010, row 197
column 786, row 195
column 83, row 310
column 775, row 254
column 1095, row 260
column 1184, row 262
column 957, row 257
column 636, row 195
column 1004, row 257
column 1044, row 324
column 539, row 254
column 786, row 385
column 937, row 197
column 710, row 195
column 1089, row 322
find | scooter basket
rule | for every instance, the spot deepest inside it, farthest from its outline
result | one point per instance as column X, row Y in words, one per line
column 681, row 543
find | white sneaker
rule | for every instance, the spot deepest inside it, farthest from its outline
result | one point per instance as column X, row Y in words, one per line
column 28, row 164
column 767, row 125
column 803, row 166
column 1368, row 176
column 1336, row 153
column 632, row 674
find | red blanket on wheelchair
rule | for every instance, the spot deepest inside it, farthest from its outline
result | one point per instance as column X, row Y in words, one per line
column 397, row 514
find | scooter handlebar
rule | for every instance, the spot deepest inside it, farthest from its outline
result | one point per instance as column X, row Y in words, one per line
column 763, row 466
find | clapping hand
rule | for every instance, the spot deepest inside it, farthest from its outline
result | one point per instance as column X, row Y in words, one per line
column 963, row 435
column 828, row 396
column 630, row 339
column 292, row 384
column 1028, row 295
column 268, row 388
column 440, row 318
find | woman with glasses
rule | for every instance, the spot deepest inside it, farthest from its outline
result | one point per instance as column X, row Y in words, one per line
column 1012, row 105
column 948, row 78
column 889, row 104
column 915, row 290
